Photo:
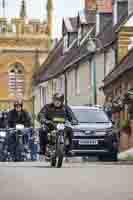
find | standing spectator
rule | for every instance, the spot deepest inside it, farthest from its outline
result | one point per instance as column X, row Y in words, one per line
column 108, row 107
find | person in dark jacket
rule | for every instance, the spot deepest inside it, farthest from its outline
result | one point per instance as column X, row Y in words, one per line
column 108, row 107
column 18, row 116
column 46, row 117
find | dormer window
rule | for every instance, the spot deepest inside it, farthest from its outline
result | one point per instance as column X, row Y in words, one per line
column 65, row 42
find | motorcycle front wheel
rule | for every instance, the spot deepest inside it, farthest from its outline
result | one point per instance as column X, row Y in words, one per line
column 53, row 161
column 60, row 155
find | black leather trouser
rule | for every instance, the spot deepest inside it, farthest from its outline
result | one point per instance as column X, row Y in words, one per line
column 43, row 134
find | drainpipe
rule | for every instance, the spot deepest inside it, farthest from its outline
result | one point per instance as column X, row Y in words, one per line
column 66, row 89
column 92, row 47
column 94, row 87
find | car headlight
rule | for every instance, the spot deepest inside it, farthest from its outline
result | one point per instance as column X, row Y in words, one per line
column 2, row 134
column 78, row 133
column 101, row 133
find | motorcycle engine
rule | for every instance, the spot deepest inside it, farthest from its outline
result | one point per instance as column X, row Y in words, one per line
column 52, row 137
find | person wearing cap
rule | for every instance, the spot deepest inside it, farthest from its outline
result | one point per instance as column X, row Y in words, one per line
column 46, row 117
column 18, row 116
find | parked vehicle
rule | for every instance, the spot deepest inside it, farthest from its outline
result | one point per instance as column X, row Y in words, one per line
column 94, row 134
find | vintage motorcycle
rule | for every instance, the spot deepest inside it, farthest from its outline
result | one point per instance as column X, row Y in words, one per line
column 56, row 144
column 19, row 143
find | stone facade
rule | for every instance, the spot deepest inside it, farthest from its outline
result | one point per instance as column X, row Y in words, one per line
column 22, row 44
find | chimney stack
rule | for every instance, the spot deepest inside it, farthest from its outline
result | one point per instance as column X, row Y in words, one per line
column 104, row 6
column 90, row 4
column 104, row 14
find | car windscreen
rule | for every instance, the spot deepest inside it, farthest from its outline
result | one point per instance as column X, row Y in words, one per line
column 90, row 116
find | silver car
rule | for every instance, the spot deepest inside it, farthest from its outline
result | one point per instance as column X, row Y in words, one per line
column 94, row 134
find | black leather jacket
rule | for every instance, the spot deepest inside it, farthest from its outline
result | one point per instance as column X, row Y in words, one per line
column 49, row 112
column 22, row 118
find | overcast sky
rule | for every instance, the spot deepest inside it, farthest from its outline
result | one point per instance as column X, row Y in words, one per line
column 36, row 9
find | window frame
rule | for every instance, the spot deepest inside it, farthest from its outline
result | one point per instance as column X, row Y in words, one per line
column 16, row 80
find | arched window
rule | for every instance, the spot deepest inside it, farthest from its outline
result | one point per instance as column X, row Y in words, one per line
column 16, row 80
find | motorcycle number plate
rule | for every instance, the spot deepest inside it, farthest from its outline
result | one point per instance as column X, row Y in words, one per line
column 67, row 142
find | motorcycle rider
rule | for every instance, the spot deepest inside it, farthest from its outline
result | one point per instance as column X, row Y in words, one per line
column 56, row 109
column 18, row 115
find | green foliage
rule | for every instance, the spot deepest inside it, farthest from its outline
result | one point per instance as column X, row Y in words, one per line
column 125, row 124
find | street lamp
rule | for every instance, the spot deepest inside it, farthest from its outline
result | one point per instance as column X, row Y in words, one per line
column 92, row 48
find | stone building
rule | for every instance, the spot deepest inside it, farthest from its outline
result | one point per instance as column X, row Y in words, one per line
column 22, row 45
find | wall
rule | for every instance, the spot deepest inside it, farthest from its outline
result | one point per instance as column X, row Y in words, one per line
column 104, row 64
column 79, row 93
column 109, row 60
column 19, row 43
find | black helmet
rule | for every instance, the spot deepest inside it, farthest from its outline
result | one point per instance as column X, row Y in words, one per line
column 18, row 103
column 59, row 97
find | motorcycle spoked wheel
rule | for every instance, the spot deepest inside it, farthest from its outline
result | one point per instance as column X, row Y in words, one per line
column 57, row 160
column 60, row 155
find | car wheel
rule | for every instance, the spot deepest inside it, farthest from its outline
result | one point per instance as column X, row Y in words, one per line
column 102, row 158
column 113, row 157
column 108, row 158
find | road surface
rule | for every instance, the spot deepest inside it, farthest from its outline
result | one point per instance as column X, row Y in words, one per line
column 75, row 181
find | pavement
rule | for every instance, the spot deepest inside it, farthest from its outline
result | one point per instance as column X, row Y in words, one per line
column 126, row 155
column 75, row 180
